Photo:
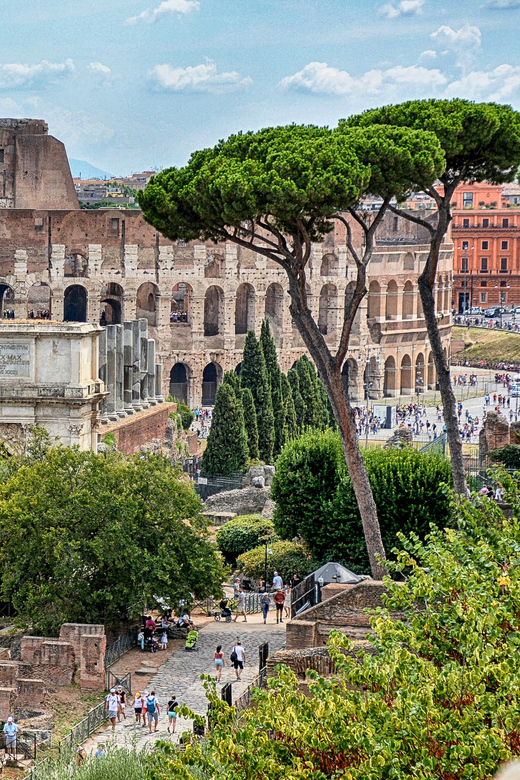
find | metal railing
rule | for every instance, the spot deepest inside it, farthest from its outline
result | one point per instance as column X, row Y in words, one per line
column 82, row 730
column 437, row 445
column 23, row 746
column 208, row 486
column 122, row 645
column 305, row 594
column 113, row 681
column 34, row 771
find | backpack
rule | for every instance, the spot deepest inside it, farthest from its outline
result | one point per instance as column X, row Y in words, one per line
column 233, row 657
column 150, row 702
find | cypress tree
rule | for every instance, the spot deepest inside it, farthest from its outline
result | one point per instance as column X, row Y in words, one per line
column 233, row 381
column 226, row 452
column 254, row 376
column 250, row 422
column 299, row 405
column 274, row 375
column 308, row 392
column 291, row 422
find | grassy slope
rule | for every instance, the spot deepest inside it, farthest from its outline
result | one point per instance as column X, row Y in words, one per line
column 490, row 345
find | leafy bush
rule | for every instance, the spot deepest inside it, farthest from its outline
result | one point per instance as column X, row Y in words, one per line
column 186, row 415
column 242, row 534
column 509, row 456
column 287, row 558
column 119, row 763
column 315, row 497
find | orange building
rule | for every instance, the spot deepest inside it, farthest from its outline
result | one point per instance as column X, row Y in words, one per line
column 486, row 237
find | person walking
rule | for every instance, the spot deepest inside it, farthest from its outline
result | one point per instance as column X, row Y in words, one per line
column 265, row 603
column 172, row 713
column 241, row 605
column 122, row 703
column 10, row 731
column 277, row 581
column 164, row 640
column 279, row 600
column 238, row 657
column 138, row 707
column 287, row 605
column 218, row 659
column 100, row 750
column 144, row 698
column 153, row 710
column 81, row 754
column 112, row 707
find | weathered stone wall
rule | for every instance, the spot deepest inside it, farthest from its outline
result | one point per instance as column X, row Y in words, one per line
column 497, row 433
column 52, row 660
column 135, row 432
column 245, row 501
column 92, row 661
column 311, row 658
column 73, row 632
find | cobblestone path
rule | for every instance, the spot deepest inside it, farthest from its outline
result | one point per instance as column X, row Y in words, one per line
column 180, row 675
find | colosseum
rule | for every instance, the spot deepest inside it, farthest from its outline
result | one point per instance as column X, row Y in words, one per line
column 200, row 299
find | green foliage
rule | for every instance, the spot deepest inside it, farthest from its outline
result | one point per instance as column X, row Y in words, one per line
column 186, row 415
column 250, row 422
column 291, row 422
column 232, row 380
column 287, row 558
column 86, row 538
column 439, row 696
column 315, row 497
column 275, row 383
column 299, row 405
column 253, row 375
column 242, row 534
column 226, row 452
column 119, row 763
column 305, row 371
column 509, row 456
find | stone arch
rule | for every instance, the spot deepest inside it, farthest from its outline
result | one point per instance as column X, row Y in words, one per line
column 6, row 298
column 408, row 295
column 75, row 304
column 213, row 311
column 112, row 304
column 409, row 262
column 406, row 375
column 329, row 265
column 349, row 379
column 39, row 301
column 180, row 306
column 390, row 380
column 245, row 308
column 374, row 299
column 328, row 308
column 392, row 297
column 179, row 384
column 211, row 378
column 147, row 302
column 274, row 310
column 76, row 265
column 421, row 377
column 238, row 368
column 372, row 377
column 214, row 267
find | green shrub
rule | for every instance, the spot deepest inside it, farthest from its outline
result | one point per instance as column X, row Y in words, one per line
column 242, row 534
column 509, row 456
column 315, row 497
column 287, row 558
column 186, row 415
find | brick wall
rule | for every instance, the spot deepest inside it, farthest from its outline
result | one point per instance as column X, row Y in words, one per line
column 140, row 429
column 72, row 632
column 316, row 658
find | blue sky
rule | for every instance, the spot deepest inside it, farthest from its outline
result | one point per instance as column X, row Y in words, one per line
column 130, row 85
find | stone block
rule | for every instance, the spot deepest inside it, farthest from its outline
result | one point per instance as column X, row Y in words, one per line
column 31, row 693
column 300, row 634
column 244, row 501
column 145, row 671
column 52, row 660
column 72, row 632
column 92, row 655
column 269, row 472
column 258, row 482
column 7, row 700
column 4, row 654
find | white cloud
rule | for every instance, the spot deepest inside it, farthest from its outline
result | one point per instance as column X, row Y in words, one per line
column 199, row 78
column 99, row 69
column 502, row 4
column 404, row 8
column 319, row 78
column 463, row 42
column 429, row 54
column 497, row 84
column 18, row 75
column 179, row 7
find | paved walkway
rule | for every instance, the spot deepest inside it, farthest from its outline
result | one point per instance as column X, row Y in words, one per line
column 180, row 675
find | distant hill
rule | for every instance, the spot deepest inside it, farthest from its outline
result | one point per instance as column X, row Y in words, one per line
column 84, row 170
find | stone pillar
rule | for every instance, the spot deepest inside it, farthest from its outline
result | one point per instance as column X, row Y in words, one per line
column 143, row 361
column 92, row 662
column 111, row 372
column 136, row 360
column 103, row 373
column 150, row 373
column 120, row 372
column 128, row 359
column 158, row 383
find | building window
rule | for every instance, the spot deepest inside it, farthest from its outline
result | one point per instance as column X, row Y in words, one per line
column 464, row 265
column 483, row 265
column 465, row 244
column 465, row 223
column 505, row 244
column 396, row 223
column 503, row 265
column 485, row 245
column 483, row 297
column 114, row 225
column 485, row 222
column 483, row 283
column 1, row 155
column 467, row 200
column 38, row 224
column 503, row 284
column 505, row 222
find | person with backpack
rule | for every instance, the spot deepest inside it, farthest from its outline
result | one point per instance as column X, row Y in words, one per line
column 238, row 658
column 172, row 713
column 153, row 709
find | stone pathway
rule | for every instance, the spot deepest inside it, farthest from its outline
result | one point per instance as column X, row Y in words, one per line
column 180, row 675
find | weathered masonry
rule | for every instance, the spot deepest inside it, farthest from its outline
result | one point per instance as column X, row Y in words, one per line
column 200, row 299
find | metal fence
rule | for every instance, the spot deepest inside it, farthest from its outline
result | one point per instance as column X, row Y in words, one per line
column 305, row 594
column 23, row 746
column 7, row 609
column 438, row 445
column 259, row 681
column 209, row 486
column 34, row 771
column 82, row 730
column 113, row 681
column 122, row 645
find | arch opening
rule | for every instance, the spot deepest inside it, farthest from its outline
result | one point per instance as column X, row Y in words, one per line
column 329, row 265
column 406, row 375
column 274, row 310
column 390, row 380
column 180, row 308
column 39, row 302
column 75, row 304
column 179, row 382
column 408, row 295
column 392, row 295
column 327, row 308
column 244, row 309
column 147, row 303
column 374, row 300
column 213, row 311
column 211, row 377
column 349, row 377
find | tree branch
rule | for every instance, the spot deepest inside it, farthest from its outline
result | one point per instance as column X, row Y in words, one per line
column 413, row 218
